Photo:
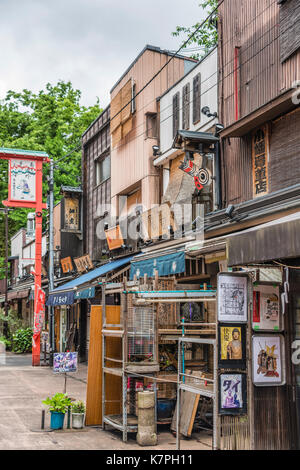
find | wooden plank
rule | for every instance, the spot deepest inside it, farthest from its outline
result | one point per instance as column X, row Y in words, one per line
column 94, row 381
column 188, row 408
column 113, row 383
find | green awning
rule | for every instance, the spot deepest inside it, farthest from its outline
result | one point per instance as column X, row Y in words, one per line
column 88, row 293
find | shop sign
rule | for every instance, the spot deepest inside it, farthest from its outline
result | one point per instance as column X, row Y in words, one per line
column 64, row 362
column 22, row 180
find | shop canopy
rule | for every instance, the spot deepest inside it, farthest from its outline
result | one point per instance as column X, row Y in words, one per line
column 171, row 263
column 66, row 294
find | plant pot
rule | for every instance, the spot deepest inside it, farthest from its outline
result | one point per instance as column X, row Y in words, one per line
column 77, row 420
column 57, row 420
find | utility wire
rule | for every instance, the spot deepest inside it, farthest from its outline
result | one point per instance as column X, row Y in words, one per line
column 206, row 91
column 171, row 58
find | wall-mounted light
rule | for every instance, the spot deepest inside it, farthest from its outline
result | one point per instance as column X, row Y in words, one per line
column 219, row 128
column 155, row 149
column 206, row 111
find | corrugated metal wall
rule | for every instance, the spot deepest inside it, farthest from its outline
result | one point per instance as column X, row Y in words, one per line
column 254, row 26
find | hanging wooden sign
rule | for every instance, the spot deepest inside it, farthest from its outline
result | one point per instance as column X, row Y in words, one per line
column 83, row 263
column 72, row 221
column 66, row 264
column 114, row 238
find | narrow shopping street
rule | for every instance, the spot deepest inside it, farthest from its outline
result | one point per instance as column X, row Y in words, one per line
column 22, row 389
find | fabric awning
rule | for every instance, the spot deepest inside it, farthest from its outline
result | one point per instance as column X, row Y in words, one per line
column 66, row 292
column 171, row 263
column 88, row 293
column 60, row 298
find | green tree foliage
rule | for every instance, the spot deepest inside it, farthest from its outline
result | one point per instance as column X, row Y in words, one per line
column 207, row 36
column 52, row 121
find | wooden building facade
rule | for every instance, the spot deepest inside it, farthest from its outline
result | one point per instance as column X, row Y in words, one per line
column 259, row 65
column 96, row 184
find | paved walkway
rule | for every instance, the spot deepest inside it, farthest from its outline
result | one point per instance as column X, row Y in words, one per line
column 22, row 389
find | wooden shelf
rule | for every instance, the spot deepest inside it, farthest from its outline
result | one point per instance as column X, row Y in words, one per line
column 186, row 332
column 116, row 333
column 113, row 371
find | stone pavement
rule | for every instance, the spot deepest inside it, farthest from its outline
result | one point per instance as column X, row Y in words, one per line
column 22, row 389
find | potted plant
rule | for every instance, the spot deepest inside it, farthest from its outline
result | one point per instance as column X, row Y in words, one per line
column 58, row 406
column 78, row 413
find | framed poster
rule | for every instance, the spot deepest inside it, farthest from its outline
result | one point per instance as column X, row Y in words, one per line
column 232, row 298
column 64, row 362
column 232, row 346
column 22, row 184
column 232, row 394
column 266, row 308
column 268, row 360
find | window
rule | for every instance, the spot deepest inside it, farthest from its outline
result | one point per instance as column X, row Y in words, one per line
column 260, row 152
column 102, row 170
column 175, row 113
column 151, row 125
column 186, row 106
column 289, row 28
column 196, row 98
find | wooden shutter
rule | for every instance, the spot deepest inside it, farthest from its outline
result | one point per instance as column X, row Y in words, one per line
column 289, row 28
column 196, row 98
column 186, row 106
column 115, row 107
column 175, row 114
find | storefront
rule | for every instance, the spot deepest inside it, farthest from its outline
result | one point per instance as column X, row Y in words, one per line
column 71, row 302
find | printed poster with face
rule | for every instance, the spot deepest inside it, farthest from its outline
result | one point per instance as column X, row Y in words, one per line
column 22, row 180
column 232, row 394
column 232, row 346
column 232, row 298
column 266, row 308
column 268, row 360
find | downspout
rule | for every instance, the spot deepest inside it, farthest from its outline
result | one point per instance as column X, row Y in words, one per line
column 236, row 84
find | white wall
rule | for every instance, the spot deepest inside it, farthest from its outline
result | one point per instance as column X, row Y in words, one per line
column 29, row 252
column 209, row 97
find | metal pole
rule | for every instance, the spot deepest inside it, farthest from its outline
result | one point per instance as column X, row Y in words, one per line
column 36, row 341
column 5, row 328
column 51, row 259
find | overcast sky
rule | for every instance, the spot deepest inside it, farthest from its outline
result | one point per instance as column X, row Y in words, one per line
column 90, row 42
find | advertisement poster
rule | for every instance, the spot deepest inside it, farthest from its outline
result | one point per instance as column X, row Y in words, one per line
column 232, row 298
column 267, row 360
column 65, row 362
column 22, row 180
column 266, row 308
column 232, row 394
column 232, row 346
